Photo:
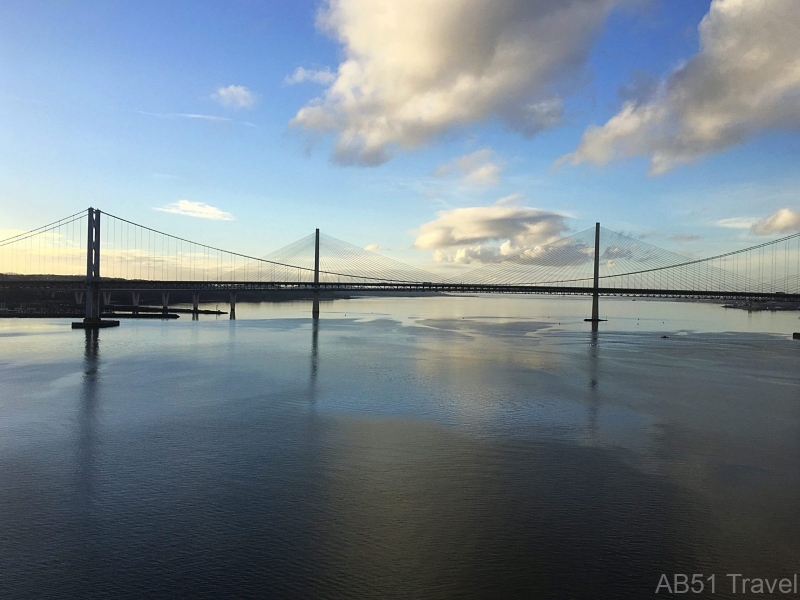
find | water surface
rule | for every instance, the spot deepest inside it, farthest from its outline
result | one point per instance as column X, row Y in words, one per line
column 408, row 447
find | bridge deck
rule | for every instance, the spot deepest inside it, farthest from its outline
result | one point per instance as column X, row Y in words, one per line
column 117, row 285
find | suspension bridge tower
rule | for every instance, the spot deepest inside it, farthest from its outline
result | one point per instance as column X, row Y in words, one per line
column 92, row 318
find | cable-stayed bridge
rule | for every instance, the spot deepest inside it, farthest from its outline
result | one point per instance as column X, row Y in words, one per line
column 95, row 254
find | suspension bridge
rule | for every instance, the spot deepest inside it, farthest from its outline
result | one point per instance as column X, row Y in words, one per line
column 65, row 256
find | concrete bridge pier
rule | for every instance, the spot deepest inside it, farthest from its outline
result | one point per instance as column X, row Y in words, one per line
column 195, row 305
column 79, row 298
column 106, row 298
column 135, row 302
column 164, row 302
column 92, row 303
column 233, row 306
column 315, row 306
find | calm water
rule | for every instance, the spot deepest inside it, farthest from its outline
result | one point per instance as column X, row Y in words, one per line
column 399, row 448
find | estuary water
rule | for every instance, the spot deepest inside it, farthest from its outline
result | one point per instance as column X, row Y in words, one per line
column 446, row 447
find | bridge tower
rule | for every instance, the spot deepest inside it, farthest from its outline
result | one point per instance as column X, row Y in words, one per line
column 596, row 284
column 596, row 295
column 93, row 266
column 315, row 306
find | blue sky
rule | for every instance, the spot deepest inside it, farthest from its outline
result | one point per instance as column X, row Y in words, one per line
column 117, row 105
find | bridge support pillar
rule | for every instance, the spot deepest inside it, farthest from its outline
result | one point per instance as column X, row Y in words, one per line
column 93, row 298
column 596, row 287
column 195, row 305
column 135, row 302
column 164, row 302
column 78, row 297
column 315, row 305
column 596, row 295
column 93, row 266
column 106, row 298
column 233, row 306
column 90, row 305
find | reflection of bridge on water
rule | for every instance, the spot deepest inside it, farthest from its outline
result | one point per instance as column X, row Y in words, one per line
column 65, row 256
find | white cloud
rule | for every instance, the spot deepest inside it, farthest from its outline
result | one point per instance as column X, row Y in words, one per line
column 200, row 210
column 488, row 233
column 195, row 116
column 469, row 255
column 416, row 69
column 300, row 75
column 372, row 248
column 745, row 79
column 477, row 167
column 737, row 222
column 781, row 221
column 235, row 96
column 201, row 117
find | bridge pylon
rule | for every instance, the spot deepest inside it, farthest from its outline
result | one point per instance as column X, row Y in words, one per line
column 93, row 297
column 93, row 265
column 316, row 259
column 315, row 305
column 596, row 283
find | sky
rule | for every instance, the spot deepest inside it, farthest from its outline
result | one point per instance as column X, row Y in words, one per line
column 444, row 133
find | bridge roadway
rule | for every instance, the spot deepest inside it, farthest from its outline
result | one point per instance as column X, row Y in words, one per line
column 77, row 284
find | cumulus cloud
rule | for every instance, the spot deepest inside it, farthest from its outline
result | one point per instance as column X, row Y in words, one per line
column 234, row 96
column 301, row 75
column 781, row 221
column 416, row 69
column 488, row 233
column 471, row 254
column 200, row 210
column 479, row 167
column 372, row 248
column 745, row 79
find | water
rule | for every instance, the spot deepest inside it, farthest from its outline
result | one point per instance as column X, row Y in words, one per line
column 407, row 447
